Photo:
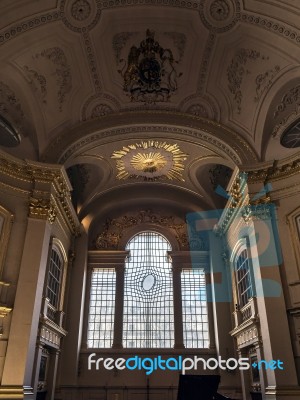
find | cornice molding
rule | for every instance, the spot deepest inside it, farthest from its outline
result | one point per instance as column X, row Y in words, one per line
column 41, row 204
column 274, row 171
column 237, row 201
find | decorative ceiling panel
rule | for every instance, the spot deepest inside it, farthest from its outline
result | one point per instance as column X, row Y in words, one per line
column 244, row 69
column 138, row 72
column 52, row 70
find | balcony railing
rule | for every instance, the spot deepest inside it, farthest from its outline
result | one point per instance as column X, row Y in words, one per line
column 246, row 313
column 50, row 312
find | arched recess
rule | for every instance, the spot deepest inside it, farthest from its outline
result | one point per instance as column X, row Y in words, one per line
column 87, row 175
column 278, row 110
column 211, row 176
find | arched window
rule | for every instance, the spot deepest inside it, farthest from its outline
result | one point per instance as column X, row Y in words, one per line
column 54, row 277
column 243, row 278
column 55, row 280
column 133, row 305
column 148, row 295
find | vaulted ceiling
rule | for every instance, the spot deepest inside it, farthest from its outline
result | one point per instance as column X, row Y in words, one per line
column 82, row 80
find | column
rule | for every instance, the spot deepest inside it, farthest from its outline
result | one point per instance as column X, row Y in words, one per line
column 245, row 376
column 75, row 300
column 221, row 303
column 39, row 351
column 270, row 301
column 21, row 347
column 51, row 377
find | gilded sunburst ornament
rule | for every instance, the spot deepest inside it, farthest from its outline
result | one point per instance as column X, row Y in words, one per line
column 151, row 160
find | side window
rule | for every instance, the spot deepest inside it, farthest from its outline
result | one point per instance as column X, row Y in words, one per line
column 194, row 309
column 54, row 277
column 102, row 308
column 243, row 278
column 55, row 281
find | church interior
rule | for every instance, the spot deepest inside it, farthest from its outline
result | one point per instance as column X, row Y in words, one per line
column 149, row 198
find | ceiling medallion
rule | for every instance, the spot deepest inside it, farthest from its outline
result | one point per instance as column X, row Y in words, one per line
column 219, row 10
column 81, row 10
column 150, row 75
column 150, row 160
column 220, row 15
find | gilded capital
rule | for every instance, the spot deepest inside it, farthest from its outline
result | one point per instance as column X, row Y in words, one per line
column 42, row 209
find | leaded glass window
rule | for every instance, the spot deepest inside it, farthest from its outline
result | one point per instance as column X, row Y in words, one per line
column 194, row 308
column 54, row 277
column 243, row 278
column 148, row 293
column 102, row 308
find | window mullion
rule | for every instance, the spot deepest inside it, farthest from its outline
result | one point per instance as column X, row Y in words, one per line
column 119, row 307
column 178, row 323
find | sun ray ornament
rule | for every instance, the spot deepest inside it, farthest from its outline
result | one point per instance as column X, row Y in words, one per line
column 151, row 160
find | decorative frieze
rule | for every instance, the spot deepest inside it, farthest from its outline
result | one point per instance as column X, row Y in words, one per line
column 50, row 336
column 114, row 229
column 247, row 337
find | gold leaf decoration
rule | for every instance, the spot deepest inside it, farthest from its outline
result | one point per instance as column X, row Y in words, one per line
column 151, row 160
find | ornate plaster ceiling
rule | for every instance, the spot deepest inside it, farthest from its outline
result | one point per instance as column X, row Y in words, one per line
column 75, row 84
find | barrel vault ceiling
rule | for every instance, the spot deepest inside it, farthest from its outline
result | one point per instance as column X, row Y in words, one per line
column 69, row 84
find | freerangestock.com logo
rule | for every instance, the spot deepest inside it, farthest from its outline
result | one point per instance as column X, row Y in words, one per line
column 149, row 365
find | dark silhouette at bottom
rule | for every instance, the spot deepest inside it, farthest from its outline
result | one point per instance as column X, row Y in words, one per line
column 199, row 387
